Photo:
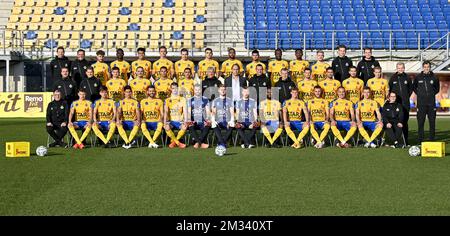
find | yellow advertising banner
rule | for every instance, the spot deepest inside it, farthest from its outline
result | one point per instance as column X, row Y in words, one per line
column 24, row 104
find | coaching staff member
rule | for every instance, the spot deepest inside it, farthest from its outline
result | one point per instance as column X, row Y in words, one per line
column 66, row 86
column 401, row 85
column 366, row 65
column 393, row 120
column 426, row 86
column 210, row 81
column 91, row 85
column 57, row 114
column 285, row 85
column 58, row 63
column 259, row 81
column 341, row 64
column 79, row 67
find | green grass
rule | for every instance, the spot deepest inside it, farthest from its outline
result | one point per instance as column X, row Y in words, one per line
column 261, row 181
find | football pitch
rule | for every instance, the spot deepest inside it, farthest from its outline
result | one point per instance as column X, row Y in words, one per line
column 262, row 181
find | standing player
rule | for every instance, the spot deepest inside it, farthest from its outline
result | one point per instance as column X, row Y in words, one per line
column 128, row 118
column 162, row 85
column 319, row 69
column 101, row 69
column 141, row 62
column 104, row 117
column 330, row 86
column 368, row 116
column 152, row 115
column 270, row 113
column 319, row 113
column 250, row 69
column 183, row 64
column 222, row 117
column 292, row 116
column 115, row 85
column 275, row 66
column 204, row 65
column 353, row 86
column 124, row 66
column 187, row 84
column 139, row 84
column 80, row 118
column 226, row 69
column 247, row 114
column 162, row 62
column 379, row 87
column 199, row 113
column 175, row 117
column 298, row 66
column 306, row 86
column 342, row 116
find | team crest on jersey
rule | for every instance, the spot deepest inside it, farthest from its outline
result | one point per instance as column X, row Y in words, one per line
column 226, row 64
column 431, row 82
column 406, row 82
column 348, row 82
column 56, row 66
column 324, row 84
column 373, row 82
column 289, row 104
column 315, row 67
column 123, row 102
column 397, row 109
column 146, row 103
column 293, row 63
column 156, row 103
column 76, row 104
column 204, row 64
column 312, row 102
column 61, row 107
column 59, row 86
column 322, row 102
column 70, row 86
column 362, row 104
column 159, row 83
column 95, row 85
column 111, row 83
column 134, row 83
column 99, row 103
column 346, row 64
column 373, row 66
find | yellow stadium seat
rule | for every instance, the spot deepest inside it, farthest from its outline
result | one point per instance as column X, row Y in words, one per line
column 201, row 3
column 94, row 3
column 158, row 3
column 135, row 19
column 156, row 27
column 47, row 11
column 33, row 26
column 176, row 44
column 154, row 36
column 189, row 11
column 44, row 26
column 118, row 44
column 64, row 35
column 199, row 27
column 68, row 20
column 187, row 35
column 178, row 19
column 189, row 19
column 145, row 19
column 53, row 3
column 74, row 44
column 78, row 27
column 29, row 3
column 57, row 19
column 168, row 12
column 35, row 19
column 14, row 18
column 42, row 35
column 156, row 11
column 16, row 11
column 62, row 43
column 131, row 35
column 131, row 44
column 143, row 35
column 101, row 27
column 100, row 35
column 122, row 27
column 89, row 19
column 137, row 11
column 27, row 11
column 115, row 3
column 154, row 44
column 167, row 19
column 111, row 36
column 167, row 27
column 67, row 27
column 177, row 27
column 11, row 26
column 199, row 35
column 97, row 44
column 167, row 43
column 28, row 43
column 121, row 36
column 89, row 26
column 200, row 11
column 190, row 3
column 104, row 3
column 19, row 3
column 188, row 27
column 199, row 43
column 179, row 3
column 82, row 11
column 142, row 43
column 71, row 11
column 81, row 19
column 123, row 19
column 136, row 3
column 84, row 3
column 103, row 11
column 111, row 27
column 24, row 19
column 75, row 35
column 179, row 11
column 87, row 35
column 22, row 27
column 72, row 3
column 156, row 19
column 167, row 35
column 100, row 19
column 126, row 3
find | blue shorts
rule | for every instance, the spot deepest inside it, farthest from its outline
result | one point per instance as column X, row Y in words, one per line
column 319, row 124
column 272, row 125
column 151, row 125
column 80, row 124
column 103, row 125
column 296, row 125
column 372, row 125
column 343, row 125
column 175, row 124
column 127, row 125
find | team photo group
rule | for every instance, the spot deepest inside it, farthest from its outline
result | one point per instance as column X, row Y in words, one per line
column 176, row 104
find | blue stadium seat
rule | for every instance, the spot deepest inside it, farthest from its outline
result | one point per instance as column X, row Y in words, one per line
column 133, row 27
column 169, row 3
column 177, row 35
column 30, row 35
column 85, row 44
column 124, row 11
column 51, row 43
column 59, row 11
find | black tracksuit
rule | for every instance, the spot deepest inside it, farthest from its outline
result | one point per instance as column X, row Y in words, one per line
column 365, row 68
column 210, row 83
column 285, row 87
column 92, row 88
column 56, row 65
column 340, row 67
column 57, row 113
column 393, row 114
column 426, row 86
column 401, row 84
column 68, row 89
column 259, row 82
column 78, row 70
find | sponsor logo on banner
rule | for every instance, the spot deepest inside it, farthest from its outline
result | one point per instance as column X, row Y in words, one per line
column 24, row 104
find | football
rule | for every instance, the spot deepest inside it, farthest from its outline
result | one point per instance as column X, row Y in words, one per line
column 220, row 150
column 41, row 151
column 414, row 151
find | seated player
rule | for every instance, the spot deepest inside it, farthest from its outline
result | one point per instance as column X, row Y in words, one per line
column 292, row 116
column 222, row 117
column 175, row 117
column 199, row 112
column 104, row 117
column 319, row 113
column 162, row 85
column 187, row 84
column 368, row 116
column 342, row 116
column 115, row 85
column 247, row 114
column 139, row 84
column 80, row 114
column 128, row 117
column 270, row 113
column 152, row 115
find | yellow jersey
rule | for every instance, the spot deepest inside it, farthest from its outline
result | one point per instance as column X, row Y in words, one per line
column 186, row 88
column 270, row 110
column 124, row 67
column 115, row 89
column 180, row 66
column 129, row 108
column 204, row 65
column 139, row 88
column 101, row 71
column 379, row 87
column 353, row 89
column 105, row 109
column 342, row 109
column 317, row 108
column 330, row 88
column 227, row 66
column 151, row 109
column 147, row 65
column 275, row 69
column 367, row 110
column 297, row 68
column 160, row 63
column 294, row 109
column 250, row 69
column 81, row 109
column 162, row 87
column 306, row 89
column 175, row 108
column 319, row 71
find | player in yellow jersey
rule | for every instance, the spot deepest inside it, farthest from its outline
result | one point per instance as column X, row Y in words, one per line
column 152, row 116
column 115, row 85
column 205, row 64
column 163, row 62
column 186, row 89
column 353, row 86
column 379, row 87
column 330, row 86
column 292, row 115
column 319, row 69
column 80, row 118
column 124, row 66
column 306, row 86
column 104, row 117
column 227, row 66
column 175, row 117
column 270, row 113
column 275, row 66
column 141, row 62
column 368, row 116
column 250, row 69
column 128, row 117
column 101, row 69
column 319, row 114
column 298, row 66
column 342, row 116
column 139, row 85
column 182, row 64
column 162, row 85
